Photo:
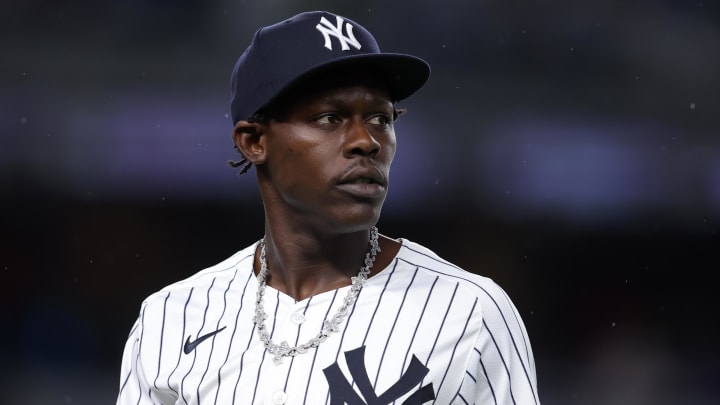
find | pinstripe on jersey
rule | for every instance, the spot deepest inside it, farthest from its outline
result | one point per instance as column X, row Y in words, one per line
column 421, row 323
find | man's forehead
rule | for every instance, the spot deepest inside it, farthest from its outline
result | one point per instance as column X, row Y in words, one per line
column 336, row 84
column 351, row 92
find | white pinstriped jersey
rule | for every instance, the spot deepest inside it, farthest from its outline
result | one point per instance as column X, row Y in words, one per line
column 421, row 331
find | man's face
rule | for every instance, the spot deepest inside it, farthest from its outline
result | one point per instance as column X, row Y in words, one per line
column 329, row 155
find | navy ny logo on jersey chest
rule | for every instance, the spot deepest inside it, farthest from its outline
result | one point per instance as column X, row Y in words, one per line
column 342, row 392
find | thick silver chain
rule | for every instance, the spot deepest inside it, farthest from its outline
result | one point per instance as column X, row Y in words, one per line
column 279, row 351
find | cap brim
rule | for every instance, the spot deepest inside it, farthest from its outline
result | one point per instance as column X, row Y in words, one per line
column 404, row 74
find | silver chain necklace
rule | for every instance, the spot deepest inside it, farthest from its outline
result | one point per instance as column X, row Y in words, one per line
column 329, row 326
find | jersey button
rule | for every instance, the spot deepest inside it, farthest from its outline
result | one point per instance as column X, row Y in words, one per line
column 297, row 318
column 279, row 397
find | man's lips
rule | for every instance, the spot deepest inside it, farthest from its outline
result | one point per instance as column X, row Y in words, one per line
column 363, row 182
column 366, row 190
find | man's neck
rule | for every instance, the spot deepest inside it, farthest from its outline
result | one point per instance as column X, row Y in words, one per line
column 302, row 266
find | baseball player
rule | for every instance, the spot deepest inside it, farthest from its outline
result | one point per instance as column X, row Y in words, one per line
column 323, row 309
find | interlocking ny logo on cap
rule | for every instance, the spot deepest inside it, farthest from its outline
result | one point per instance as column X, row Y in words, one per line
column 328, row 29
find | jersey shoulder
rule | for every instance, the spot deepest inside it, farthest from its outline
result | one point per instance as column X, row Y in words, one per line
column 240, row 261
column 428, row 261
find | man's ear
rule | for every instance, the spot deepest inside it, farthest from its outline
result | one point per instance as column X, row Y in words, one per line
column 250, row 141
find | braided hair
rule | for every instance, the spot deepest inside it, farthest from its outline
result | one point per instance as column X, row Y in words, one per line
column 243, row 163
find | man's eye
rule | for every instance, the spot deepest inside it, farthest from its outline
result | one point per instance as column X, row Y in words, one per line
column 328, row 119
column 380, row 120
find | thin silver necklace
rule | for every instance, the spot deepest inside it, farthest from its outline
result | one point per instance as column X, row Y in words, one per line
column 279, row 351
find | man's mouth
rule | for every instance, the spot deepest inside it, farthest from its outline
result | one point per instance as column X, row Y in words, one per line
column 363, row 180
column 363, row 187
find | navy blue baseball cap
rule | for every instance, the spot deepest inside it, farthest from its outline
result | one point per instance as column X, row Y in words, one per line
column 283, row 54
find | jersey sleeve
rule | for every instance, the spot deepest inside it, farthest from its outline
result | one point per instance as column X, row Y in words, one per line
column 131, row 377
column 135, row 388
column 501, row 369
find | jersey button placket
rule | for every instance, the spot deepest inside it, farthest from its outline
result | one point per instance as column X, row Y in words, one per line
column 297, row 318
column 279, row 397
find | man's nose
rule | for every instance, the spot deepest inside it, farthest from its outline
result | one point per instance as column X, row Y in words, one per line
column 360, row 141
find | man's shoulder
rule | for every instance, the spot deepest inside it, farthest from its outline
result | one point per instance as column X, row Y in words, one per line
column 229, row 268
column 432, row 264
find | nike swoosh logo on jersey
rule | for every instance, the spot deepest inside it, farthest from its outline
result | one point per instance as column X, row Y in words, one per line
column 190, row 346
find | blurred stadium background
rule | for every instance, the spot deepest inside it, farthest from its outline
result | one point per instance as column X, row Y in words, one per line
column 569, row 150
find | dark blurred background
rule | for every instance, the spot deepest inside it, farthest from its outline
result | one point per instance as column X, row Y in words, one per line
column 568, row 150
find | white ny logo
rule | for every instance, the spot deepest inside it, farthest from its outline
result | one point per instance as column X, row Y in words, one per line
column 327, row 29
